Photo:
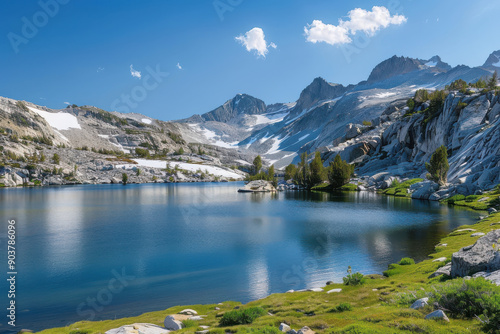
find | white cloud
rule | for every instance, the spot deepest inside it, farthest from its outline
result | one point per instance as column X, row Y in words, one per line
column 359, row 19
column 328, row 33
column 134, row 73
column 255, row 40
column 179, row 66
column 67, row 103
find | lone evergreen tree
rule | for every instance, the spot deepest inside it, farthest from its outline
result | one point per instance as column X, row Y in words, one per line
column 340, row 172
column 317, row 169
column 303, row 172
column 124, row 178
column 438, row 167
column 270, row 175
column 492, row 83
column 257, row 165
column 56, row 159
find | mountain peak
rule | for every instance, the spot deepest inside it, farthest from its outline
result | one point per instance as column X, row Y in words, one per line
column 319, row 89
column 392, row 67
column 493, row 60
column 438, row 63
column 240, row 104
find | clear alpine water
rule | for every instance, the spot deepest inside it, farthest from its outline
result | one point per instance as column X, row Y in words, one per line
column 106, row 251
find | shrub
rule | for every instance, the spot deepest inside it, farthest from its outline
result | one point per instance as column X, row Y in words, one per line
column 406, row 261
column 367, row 123
column 241, row 317
column 471, row 298
column 318, row 173
column 56, row 159
column 353, row 279
column 124, row 178
column 472, row 198
column 257, row 165
column 290, row 171
column 142, row 152
column 343, row 307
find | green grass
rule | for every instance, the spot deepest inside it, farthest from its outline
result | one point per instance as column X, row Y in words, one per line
column 328, row 187
column 381, row 305
column 476, row 202
column 400, row 189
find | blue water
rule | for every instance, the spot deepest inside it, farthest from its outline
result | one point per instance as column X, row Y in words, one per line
column 197, row 243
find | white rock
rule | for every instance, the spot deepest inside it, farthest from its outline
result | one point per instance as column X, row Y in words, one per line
column 477, row 234
column 284, row 328
column 188, row 311
column 439, row 259
column 290, row 291
column 138, row 328
column 438, row 314
column 196, row 318
column 171, row 324
column 334, row 290
column 420, row 303
column 315, row 289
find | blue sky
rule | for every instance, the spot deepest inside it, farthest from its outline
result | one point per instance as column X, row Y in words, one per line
column 83, row 51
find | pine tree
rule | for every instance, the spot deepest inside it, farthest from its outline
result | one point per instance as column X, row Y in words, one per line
column 340, row 172
column 270, row 175
column 303, row 172
column 438, row 166
column 492, row 83
column 317, row 169
column 290, row 172
column 257, row 165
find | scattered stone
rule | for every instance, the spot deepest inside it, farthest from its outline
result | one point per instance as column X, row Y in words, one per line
column 477, row 234
column 315, row 289
column 171, row 323
column 329, row 282
column 439, row 259
column 205, row 331
column 284, row 328
column 464, row 230
column 476, row 258
column 443, row 245
column 438, row 314
column 334, row 290
column 305, row 330
column 138, row 328
column 220, row 304
column 217, row 308
column 292, row 331
column 204, row 327
column 491, row 210
column 445, row 270
column 374, row 289
column 290, row 291
column 196, row 318
column 420, row 303
column 188, row 311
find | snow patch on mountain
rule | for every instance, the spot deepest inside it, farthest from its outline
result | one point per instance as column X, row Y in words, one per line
column 60, row 120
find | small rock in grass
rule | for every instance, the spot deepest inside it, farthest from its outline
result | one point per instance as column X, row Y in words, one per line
column 305, row 330
column 290, row 291
column 188, row 311
column 440, row 259
column 284, row 328
column 438, row 314
column 334, row 290
column 204, row 327
column 329, row 282
column 217, row 308
column 477, row 234
column 205, row 331
column 374, row 289
column 420, row 303
column 196, row 318
column 292, row 331
column 315, row 289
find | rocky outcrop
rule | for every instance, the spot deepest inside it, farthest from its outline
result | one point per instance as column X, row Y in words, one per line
column 138, row 328
column 258, row 186
column 483, row 256
column 392, row 67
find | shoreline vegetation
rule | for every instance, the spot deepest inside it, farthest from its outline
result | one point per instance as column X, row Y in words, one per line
column 394, row 302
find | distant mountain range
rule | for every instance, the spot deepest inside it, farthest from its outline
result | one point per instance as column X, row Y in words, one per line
column 354, row 121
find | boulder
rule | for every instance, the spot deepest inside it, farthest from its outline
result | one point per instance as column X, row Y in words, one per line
column 439, row 259
column 171, row 323
column 257, row 186
column 423, row 190
column 284, row 328
column 437, row 315
column 138, row 328
column 476, row 258
column 494, row 277
column 445, row 270
column 352, row 131
column 477, row 234
column 188, row 311
column 420, row 303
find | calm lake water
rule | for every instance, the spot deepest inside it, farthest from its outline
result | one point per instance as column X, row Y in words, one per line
column 197, row 243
